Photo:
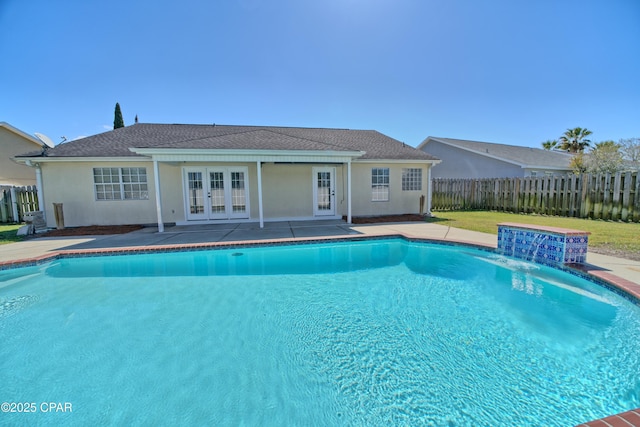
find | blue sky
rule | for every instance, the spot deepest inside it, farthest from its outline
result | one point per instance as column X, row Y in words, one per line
column 513, row 71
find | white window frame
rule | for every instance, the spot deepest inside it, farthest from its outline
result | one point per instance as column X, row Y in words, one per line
column 124, row 183
column 380, row 184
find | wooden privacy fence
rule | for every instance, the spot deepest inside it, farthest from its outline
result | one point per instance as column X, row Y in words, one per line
column 16, row 201
column 598, row 196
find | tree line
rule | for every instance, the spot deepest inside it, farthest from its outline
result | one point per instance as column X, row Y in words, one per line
column 601, row 157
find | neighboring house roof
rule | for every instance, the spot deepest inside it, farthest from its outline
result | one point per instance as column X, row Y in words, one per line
column 525, row 157
column 117, row 143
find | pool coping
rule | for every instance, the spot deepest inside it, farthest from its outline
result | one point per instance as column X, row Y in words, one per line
column 623, row 287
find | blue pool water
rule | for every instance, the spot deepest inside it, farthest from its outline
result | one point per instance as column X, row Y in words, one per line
column 384, row 332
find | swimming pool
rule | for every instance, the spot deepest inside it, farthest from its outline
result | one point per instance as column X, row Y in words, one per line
column 373, row 332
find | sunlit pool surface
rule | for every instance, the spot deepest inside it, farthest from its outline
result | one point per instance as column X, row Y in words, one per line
column 382, row 332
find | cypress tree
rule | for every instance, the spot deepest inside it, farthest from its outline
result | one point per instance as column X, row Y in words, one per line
column 118, row 121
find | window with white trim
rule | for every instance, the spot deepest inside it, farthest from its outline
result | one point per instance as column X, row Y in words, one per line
column 380, row 184
column 411, row 179
column 120, row 183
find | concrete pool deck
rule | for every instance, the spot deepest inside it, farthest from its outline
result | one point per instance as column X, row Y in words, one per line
column 620, row 272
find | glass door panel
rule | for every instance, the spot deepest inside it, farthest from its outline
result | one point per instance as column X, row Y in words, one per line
column 238, row 193
column 217, row 193
column 324, row 191
column 195, row 195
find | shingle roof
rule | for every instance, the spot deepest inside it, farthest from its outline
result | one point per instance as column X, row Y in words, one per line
column 524, row 156
column 116, row 143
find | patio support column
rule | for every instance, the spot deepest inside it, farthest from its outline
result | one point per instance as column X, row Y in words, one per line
column 259, row 175
column 428, row 211
column 349, row 192
column 156, row 178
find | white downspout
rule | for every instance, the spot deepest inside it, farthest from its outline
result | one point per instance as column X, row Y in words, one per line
column 156, row 178
column 39, row 191
column 259, row 174
column 349, row 192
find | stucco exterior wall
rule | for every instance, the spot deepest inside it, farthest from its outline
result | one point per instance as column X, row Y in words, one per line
column 287, row 192
column 71, row 183
column 457, row 163
column 12, row 173
column 172, row 197
column 400, row 202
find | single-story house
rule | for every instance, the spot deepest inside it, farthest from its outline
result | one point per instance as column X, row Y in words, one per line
column 13, row 142
column 199, row 174
column 474, row 159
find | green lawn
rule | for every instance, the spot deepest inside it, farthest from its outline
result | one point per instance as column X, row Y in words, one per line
column 615, row 238
column 8, row 233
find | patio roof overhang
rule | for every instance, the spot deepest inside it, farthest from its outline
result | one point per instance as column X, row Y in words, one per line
column 213, row 155
column 172, row 155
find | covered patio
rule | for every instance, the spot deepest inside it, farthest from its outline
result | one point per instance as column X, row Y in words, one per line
column 323, row 162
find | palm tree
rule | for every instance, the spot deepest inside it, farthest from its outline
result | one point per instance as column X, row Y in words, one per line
column 574, row 140
column 549, row 144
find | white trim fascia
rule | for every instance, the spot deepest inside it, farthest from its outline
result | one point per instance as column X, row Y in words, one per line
column 43, row 159
column 397, row 161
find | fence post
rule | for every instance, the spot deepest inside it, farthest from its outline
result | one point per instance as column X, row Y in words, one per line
column 516, row 195
column 14, row 205
column 616, row 201
column 571, row 194
column 636, row 197
column 4, row 214
column 626, row 192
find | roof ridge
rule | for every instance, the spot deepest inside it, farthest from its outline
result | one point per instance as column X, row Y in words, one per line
column 312, row 140
column 500, row 143
column 252, row 126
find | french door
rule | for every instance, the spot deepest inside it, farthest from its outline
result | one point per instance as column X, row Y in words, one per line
column 324, row 191
column 216, row 193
